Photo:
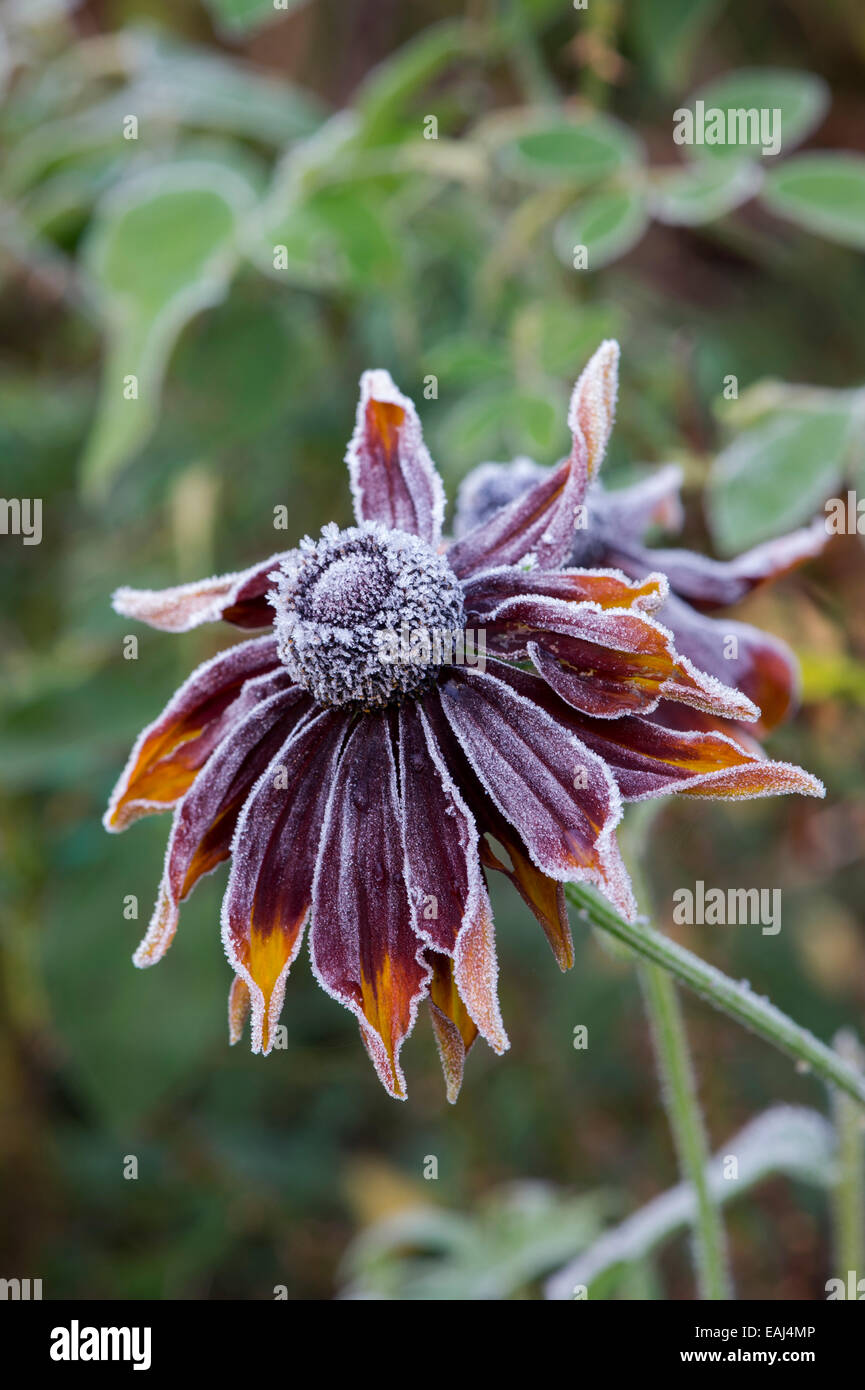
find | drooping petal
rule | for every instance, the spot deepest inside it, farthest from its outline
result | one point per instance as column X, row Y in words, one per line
column 204, row 822
column 540, row 524
column 235, row 598
column 757, row 663
column 168, row 754
column 648, row 758
column 556, row 792
column 364, row 951
column 607, row 588
column 453, row 1027
column 542, row 895
column 712, row 583
column 238, row 1009
column 449, row 903
column 607, row 662
column 393, row 478
column 593, row 403
column 274, row 854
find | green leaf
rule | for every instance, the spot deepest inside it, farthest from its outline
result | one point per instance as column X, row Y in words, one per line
column 560, row 336
column 579, row 152
column 777, row 475
column 608, row 224
column 171, row 86
column 392, row 86
column 244, row 16
column 787, row 1139
column 162, row 248
column 688, row 197
column 825, row 193
column 801, row 97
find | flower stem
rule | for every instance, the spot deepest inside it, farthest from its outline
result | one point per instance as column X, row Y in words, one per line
column 679, row 1091
column 848, row 1204
column 732, row 997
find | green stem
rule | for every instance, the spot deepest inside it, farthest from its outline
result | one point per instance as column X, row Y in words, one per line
column 679, row 1091
column 731, row 997
column 848, row 1193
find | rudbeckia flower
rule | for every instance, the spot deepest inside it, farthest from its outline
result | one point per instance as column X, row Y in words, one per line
column 417, row 716
column 611, row 532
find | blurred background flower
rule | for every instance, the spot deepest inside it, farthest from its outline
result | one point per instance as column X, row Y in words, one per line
column 213, row 215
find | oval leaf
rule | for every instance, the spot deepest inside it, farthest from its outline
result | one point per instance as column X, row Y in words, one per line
column 800, row 98
column 608, row 224
column 825, row 193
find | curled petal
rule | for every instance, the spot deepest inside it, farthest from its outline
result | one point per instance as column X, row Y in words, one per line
column 757, row 663
column 593, row 403
column 539, row 525
column 274, row 853
column 239, row 598
column 204, row 822
column 648, row 758
column 449, row 904
column 712, row 583
column 364, row 951
column 393, row 478
column 483, row 593
column 168, row 754
column 238, row 1008
column 557, row 793
column 607, row 662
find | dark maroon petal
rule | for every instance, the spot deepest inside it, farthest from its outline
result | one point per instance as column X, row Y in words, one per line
column 606, row 662
column 539, row 524
column 648, row 758
column 757, row 663
column 542, row 895
column 449, row 903
column 274, row 855
column 236, row 598
column 169, row 752
column 551, row 787
column 718, row 583
column 364, row 951
column 607, row 588
column 393, row 478
column 205, row 820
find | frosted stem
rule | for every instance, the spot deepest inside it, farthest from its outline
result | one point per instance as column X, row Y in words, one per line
column 730, row 996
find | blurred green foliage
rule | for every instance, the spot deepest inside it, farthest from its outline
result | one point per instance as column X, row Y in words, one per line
column 280, row 221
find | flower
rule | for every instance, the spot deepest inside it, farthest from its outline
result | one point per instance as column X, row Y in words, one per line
column 356, row 783
column 611, row 533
